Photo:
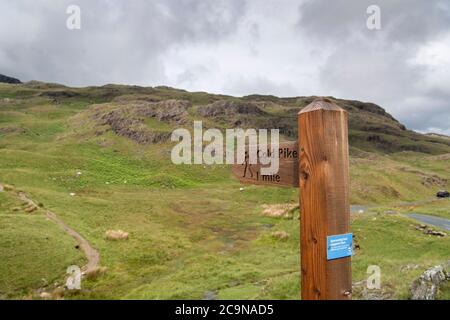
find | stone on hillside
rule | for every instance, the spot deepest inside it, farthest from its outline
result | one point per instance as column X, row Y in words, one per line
column 430, row 231
column 434, row 180
column 244, row 114
column 282, row 210
column 230, row 108
column 116, row 235
column 128, row 119
column 436, row 233
column 8, row 187
column 30, row 208
column 45, row 295
column 427, row 285
column 167, row 110
column 280, row 235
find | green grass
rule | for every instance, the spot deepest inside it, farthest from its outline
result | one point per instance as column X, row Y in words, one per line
column 391, row 242
column 444, row 292
column 433, row 207
column 34, row 251
column 192, row 232
column 156, row 125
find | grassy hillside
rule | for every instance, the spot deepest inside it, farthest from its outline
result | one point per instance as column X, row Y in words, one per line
column 35, row 252
column 193, row 233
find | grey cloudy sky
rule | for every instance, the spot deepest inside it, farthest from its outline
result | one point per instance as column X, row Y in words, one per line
column 239, row 47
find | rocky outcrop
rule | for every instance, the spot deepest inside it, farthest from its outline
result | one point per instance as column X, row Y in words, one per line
column 281, row 210
column 60, row 94
column 434, row 180
column 129, row 120
column 427, row 285
column 6, row 79
column 229, row 108
column 430, row 231
column 168, row 110
column 244, row 114
column 116, row 235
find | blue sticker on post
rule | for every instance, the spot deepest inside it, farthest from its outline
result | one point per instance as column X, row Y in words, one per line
column 339, row 246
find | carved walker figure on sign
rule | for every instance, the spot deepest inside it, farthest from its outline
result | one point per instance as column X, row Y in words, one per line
column 247, row 165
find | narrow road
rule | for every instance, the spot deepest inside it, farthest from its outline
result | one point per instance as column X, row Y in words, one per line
column 438, row 222
column 431, row 220
column 90, row 252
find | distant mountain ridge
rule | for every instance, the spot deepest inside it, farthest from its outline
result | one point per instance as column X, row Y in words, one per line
column 438, row 135
column 148, row 115
column 6, row 79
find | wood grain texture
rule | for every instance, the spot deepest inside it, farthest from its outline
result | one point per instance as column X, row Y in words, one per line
column 287, row 175
column 324, row 198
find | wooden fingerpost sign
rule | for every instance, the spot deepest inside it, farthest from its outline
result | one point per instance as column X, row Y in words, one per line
column 326, row 244
column 287, row 175
column 319, row 165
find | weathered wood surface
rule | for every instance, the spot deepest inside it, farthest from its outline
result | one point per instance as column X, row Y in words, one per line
column 324, row 199
column 287, row 175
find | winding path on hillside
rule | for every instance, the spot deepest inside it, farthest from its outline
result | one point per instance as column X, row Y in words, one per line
column 92, row 254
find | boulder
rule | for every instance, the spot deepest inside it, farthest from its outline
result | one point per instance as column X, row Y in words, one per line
column 434, row 180
column 116, row 235
column 427, row 285
column 8, row 187
column 282, row 210
column 430, row 231
column 128, row 120
column 280, row 235
column 30, row 208
column 45, row 295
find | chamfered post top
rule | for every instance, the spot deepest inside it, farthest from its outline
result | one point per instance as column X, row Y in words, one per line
column 321, row 103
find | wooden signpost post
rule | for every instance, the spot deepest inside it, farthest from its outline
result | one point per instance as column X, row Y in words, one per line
column 321, row 170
